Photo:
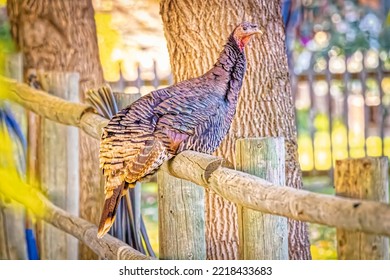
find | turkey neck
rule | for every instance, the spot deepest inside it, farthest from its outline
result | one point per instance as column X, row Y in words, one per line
column 230, row 69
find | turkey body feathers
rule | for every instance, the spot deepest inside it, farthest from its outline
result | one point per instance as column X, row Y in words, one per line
column 191, row 115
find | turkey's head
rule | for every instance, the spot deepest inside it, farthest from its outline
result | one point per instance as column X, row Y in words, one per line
column 243, row 33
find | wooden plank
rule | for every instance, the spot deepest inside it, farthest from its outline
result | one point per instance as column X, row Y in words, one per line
column 58, row 168
column 73, row 179
column 12, row 220
column 4, row 255
column 181, row 219
column 365, row 178
column 262, row 236
column 33, row 135
column 14, row 69
column 15, row 231
column 12, row 238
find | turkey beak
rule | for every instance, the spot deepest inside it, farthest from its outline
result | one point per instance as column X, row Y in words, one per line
column 256, row 30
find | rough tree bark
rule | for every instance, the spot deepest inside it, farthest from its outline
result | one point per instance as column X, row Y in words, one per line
column 196, row 32
column 56, row 35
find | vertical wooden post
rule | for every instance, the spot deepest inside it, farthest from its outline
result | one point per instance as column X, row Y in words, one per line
column 12, row 216
column 262, row 236
column 73, row 152
column 59, row 167
column 181, row 219
column 365, row 178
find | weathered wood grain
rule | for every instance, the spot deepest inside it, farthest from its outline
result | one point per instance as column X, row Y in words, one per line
column 262, row 236
column 181, row 210
column 12, row 235
column 12, row 219
column 4, row 254
column 181, row 219
column 365, row 178
column 58, row 167
column 54, row 108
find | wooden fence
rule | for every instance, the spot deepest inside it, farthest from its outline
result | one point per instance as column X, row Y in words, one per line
column 247, row 191
column 342, row 108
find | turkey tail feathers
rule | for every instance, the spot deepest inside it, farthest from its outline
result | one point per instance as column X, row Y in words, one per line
column 111, row 203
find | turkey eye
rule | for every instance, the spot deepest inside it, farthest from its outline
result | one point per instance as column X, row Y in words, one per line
column 244, row 28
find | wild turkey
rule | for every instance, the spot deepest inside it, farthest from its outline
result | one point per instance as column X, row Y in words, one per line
column 191, row 115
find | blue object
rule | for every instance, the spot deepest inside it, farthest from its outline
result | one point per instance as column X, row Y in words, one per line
column 286, row 10
column 14, row 126
column 11, row 126
column 32, row 250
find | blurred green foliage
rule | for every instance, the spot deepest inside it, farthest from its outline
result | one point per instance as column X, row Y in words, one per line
column 323, row 242
column 349, row 26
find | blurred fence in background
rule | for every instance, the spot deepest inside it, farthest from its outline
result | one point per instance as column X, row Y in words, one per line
column 342, row 108
column 144, row 80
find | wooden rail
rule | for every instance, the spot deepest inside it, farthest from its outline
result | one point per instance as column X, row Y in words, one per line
column 108, row 247
column 258, row 194
column 208, row 171
column 54, row 108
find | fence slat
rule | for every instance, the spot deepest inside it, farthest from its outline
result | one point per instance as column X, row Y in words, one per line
column 58, row 180
column 363, row 81
column 12, row 218
column 262, row 236
column 365, row 178
column 346, row 81
column 381, row 109
column 181, row 219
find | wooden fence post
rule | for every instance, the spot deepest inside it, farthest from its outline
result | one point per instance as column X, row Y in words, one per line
column 59, row 167
column 181, row 219
column 12, row 216
column 365, row 178
column 262, row 236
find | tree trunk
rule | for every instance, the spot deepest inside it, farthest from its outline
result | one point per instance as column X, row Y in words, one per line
column 196, row 32
column 57, row 35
